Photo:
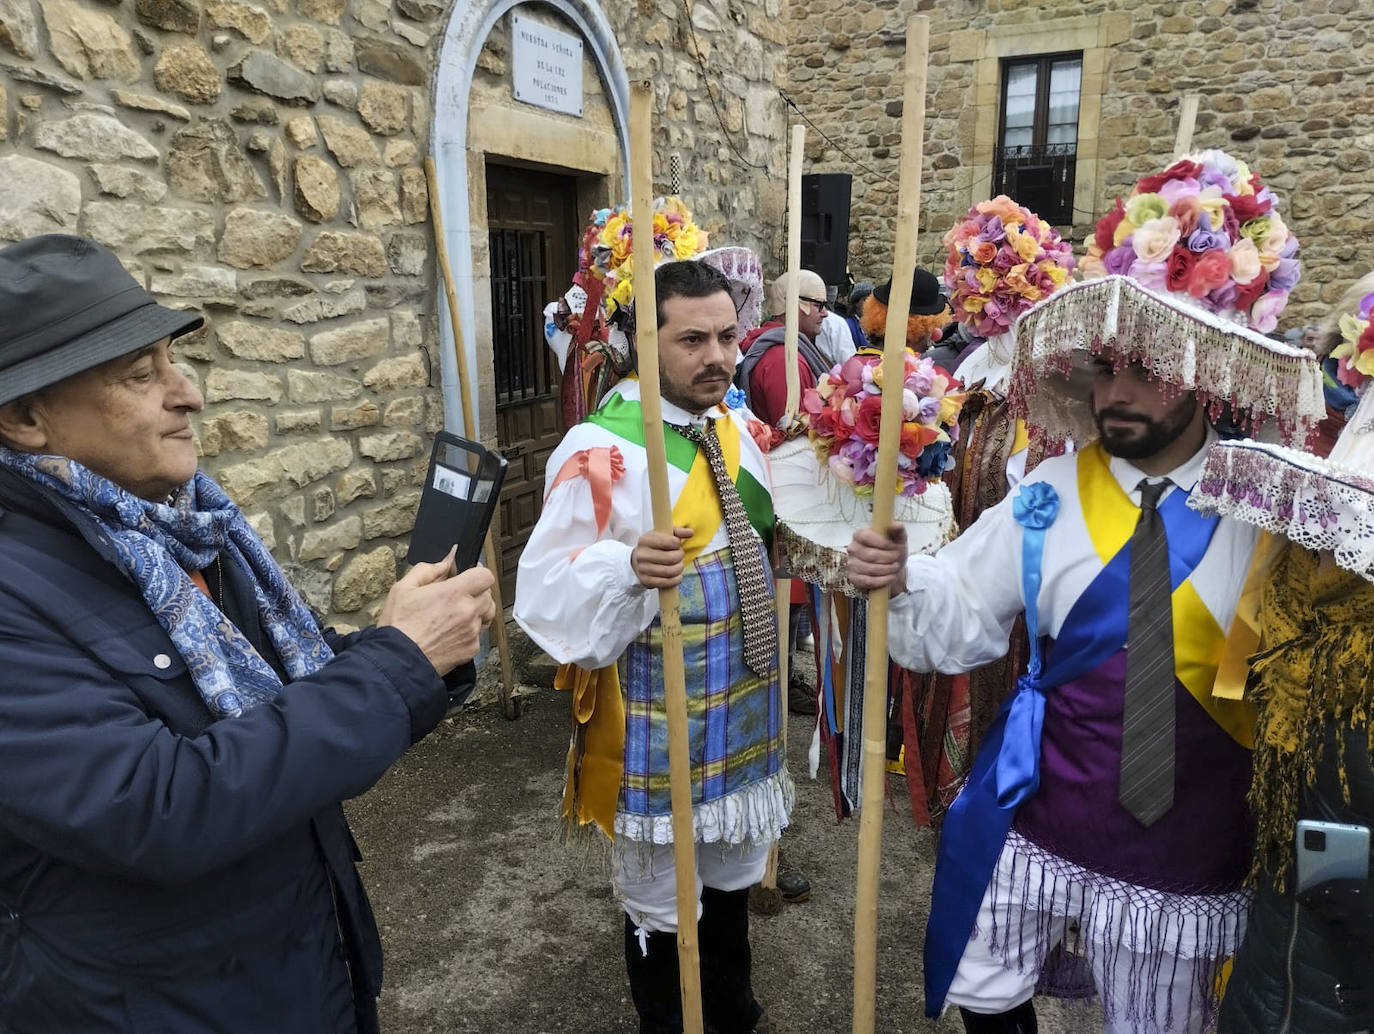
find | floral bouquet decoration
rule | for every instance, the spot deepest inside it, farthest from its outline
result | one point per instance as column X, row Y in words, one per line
column 1002, row 259
column 844, row 410
column 1205, row 228
column 1355, row 354
column 676, row 236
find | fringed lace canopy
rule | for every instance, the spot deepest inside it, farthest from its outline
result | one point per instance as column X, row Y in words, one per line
column 1313, row 502
column 1185, row 347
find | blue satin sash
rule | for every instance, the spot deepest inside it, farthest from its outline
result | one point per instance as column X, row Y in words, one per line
column 1007, row 769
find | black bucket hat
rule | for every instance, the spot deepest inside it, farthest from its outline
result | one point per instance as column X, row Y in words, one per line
column 66, row 304
column 925, row 294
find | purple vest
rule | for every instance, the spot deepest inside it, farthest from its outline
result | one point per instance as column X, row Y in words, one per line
column 1201, row 846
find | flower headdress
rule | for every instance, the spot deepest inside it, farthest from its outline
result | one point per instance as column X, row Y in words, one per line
column 1185, row 278
column 675, row 237
column 1355, row 353
column 1317, row 503
column 1206, row 230
column 844, row 409
column 1002, row 259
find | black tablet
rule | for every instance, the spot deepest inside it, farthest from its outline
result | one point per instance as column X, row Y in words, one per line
column 458, row 501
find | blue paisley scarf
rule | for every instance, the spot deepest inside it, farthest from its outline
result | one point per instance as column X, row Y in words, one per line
column 157, row 543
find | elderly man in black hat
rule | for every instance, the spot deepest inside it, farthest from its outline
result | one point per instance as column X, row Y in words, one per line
column 176, row 731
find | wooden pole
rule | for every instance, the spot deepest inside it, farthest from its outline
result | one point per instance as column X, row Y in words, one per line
column 498, row 626
column 1187, row 119
column 782, row 590
column 794, row 175
column 875, row 665
column 674, row 677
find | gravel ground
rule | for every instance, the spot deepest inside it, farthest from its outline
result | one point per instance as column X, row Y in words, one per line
column 491, row 925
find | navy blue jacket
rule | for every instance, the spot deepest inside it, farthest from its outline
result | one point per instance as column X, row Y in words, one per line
column 161, row 870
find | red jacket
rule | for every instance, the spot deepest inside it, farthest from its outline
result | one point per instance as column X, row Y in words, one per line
column 767, row 383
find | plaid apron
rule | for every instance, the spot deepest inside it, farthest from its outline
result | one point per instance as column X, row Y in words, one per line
column 740, row 787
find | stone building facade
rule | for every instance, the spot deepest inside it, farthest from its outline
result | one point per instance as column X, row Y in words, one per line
column 261, row 161
column 1283, row 83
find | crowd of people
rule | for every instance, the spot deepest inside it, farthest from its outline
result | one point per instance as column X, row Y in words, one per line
column 1150, row 623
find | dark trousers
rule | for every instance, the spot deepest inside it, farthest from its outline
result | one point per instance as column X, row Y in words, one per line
column 726, row 987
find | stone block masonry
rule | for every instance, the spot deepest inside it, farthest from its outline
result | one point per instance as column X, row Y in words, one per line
column 260, row 161
column 1284, row 86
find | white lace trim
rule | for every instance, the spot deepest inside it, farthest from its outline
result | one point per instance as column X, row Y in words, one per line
column 1313, row 502
column 1177, row 343
column 759, row 812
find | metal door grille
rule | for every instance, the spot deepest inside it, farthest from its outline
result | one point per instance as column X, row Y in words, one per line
column 519, row 281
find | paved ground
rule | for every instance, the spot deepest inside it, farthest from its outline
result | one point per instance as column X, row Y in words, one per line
column 491, row 925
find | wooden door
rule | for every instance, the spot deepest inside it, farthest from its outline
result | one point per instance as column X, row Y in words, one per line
column 533, row 245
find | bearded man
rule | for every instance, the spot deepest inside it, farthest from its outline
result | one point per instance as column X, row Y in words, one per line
column 1102, row 840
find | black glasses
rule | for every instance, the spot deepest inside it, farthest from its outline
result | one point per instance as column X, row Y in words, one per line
column 814, row 301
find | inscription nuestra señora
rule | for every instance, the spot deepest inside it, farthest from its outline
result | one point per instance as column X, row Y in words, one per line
column 546, row 66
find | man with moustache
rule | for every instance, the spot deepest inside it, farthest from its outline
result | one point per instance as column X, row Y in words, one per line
column 1074, row 848
column 585, row 594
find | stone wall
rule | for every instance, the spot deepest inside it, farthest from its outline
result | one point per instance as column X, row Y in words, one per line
column 1284, row 86
column 260, row 161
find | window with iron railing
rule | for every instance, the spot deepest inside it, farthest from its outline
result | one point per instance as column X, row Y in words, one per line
column 1037, row 147
column 524, row 364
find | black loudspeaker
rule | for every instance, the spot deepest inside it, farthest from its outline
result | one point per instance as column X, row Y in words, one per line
column 825, row 226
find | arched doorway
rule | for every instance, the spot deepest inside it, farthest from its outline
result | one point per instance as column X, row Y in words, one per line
column 499, row 163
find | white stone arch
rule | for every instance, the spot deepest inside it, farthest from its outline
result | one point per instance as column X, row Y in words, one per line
column 469, row 25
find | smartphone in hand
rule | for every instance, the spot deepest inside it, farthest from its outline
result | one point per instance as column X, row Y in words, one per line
column 1331, row 851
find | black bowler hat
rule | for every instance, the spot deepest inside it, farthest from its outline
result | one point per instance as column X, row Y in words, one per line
column 66, row 304
column 925, row 294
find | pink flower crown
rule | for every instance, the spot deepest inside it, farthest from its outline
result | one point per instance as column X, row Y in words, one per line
column 1002, row 259
column 1205, row 229
column 843, row 413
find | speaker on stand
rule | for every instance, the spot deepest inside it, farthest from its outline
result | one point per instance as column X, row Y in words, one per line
column 825, row 226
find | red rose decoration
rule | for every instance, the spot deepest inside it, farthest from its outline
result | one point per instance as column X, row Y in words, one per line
column 1106, row 227
column 1246, row 294
column 1180, row 170
column 1366, row 339
column 1247, row 206
column 1210, row 270
column 868, row 418
column 1179, row 267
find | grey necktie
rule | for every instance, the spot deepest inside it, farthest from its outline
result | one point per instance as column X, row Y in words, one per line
column 1147, row 730
column 755, row 600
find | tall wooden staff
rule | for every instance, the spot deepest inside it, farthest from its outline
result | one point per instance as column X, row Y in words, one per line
column 794, row 174
column 1187, row 119
column 674, row 678
column 783, row 588
column 498, row 627
column 875, row 669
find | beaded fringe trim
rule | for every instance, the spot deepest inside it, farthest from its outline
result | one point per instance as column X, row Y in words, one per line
column 823, row 566
column 1190, row 348
column 1312, row 502
column 757, row 813
column 1133, row 935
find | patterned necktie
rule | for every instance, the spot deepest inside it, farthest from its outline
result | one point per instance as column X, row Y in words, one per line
column 755, row 600
column 1147, row 730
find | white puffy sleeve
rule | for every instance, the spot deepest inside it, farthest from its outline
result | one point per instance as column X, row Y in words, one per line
column 962, row 601
column 575, row 593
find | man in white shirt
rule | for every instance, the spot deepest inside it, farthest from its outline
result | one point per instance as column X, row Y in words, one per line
column 954, row 611
column 1102, row 839
column 585, row 594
